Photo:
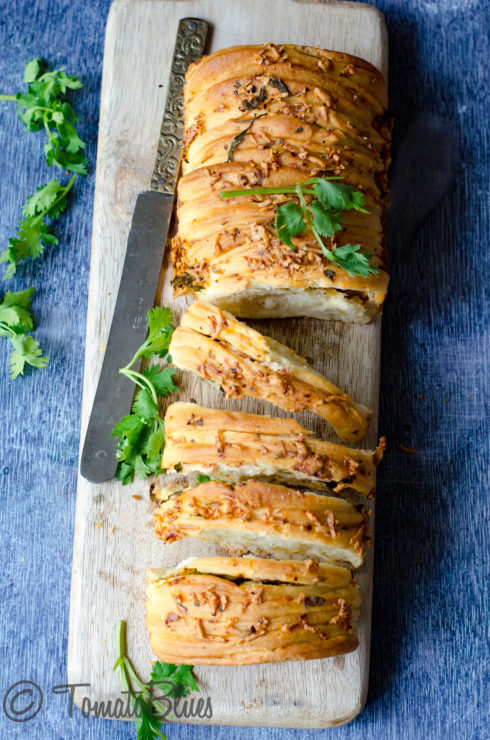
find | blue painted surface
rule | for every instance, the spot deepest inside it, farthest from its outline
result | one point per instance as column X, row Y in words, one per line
column 429, row 676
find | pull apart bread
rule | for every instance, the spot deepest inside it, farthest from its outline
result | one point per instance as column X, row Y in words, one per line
column 236, row 611
column 265, row 519
column 215, row 346
column 234, row 446
column 268, row 116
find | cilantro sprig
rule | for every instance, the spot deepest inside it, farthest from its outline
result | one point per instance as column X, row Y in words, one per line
column 142, row 433
column 33, row 234
column 16, row 321
column 321, row 213
column 171, row 680
column 43, row 107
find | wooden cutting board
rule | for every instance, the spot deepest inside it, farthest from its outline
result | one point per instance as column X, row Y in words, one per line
column 114, row 544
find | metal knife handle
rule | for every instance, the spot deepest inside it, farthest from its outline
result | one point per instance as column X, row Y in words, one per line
column 189, row 47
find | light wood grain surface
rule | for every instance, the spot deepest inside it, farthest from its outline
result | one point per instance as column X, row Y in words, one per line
column 114, row 544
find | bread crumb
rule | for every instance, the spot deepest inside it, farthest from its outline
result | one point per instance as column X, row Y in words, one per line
column 99, row 524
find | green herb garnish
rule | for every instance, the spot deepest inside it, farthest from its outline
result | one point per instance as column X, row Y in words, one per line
column 201, row 478
column 240, row 137
column 141, row 433
column 43, row 107
column 185, row 281
column 171, row 680
column 321, row 214
column 16, row 322
column 280, row 85
column 255, row 101
column 33, row 234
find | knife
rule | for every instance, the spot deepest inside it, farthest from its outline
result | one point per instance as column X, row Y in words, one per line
column 141, row 269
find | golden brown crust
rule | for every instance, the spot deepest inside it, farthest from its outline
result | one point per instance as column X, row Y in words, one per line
column 316, row 113
column 307, row 572
column 197, row 617
column 214, row 345
column 266, row 519
column 235, row 446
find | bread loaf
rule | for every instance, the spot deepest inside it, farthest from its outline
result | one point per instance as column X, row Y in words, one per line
column 215, row 346
column 237, row 611
column 265, row 519
column 274, row 116
column 234, row 446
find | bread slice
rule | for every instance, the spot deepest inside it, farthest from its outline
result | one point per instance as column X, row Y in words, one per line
column 237, row 611
column 234, row 446
column 265, row 519
column 269, row 116
column 216, row 346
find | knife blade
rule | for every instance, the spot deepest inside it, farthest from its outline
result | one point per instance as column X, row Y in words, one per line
column 141, row 268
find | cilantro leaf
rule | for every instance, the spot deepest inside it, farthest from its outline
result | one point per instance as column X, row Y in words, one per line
column 26, row 351
column 325, row 222
column 351, row 259
column 161, row 379
column 65, row 159
column 20, row 298
column 125, row 473
column 14, row 315
column 69, row 82
column 32, row 70
column 289, row 222
column 159, row 319
column 16, row 318
column 43, row 199
column 33, row 235
column 144, row 406
column 184, row 678
column 68, row 134
column 159, row 332
column 129, row 427
column 155, row 444
column 337, row 197
column 161, row 671
column 141, row 469
column 173, row 680
column 147, row 726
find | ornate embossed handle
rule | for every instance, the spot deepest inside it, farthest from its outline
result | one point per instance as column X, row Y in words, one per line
column 189, row 47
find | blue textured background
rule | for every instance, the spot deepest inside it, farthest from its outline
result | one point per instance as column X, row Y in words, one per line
column 429, row 674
